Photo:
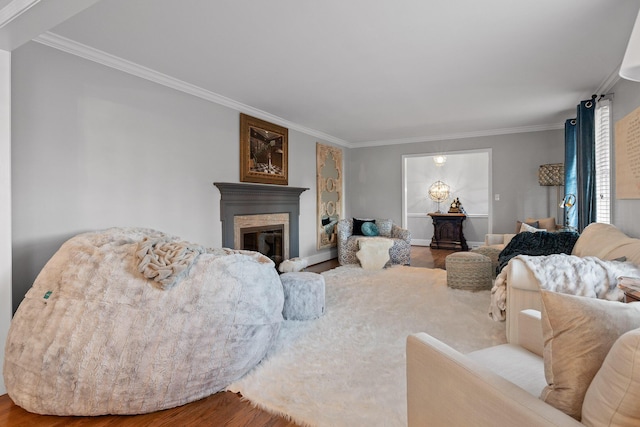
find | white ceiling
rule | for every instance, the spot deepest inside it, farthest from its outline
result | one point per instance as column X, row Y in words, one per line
column 372, row 71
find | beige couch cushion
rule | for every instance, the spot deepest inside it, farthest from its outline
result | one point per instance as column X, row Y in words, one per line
column 527, row 227
column 532, row 223
column 548, row 224
column 613, row 396
column 578, row 333
column 607, row 242
column 514, row 363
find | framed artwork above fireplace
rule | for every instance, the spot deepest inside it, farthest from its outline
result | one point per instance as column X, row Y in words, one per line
column 264, row 151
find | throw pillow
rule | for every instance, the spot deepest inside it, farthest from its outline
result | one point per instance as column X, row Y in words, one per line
column 384, row 227
column 578, row 333
column 530, row 229
column 369, row 229
column 613, row 396
column 530, row 223
column 357, row 225
column 548, row 224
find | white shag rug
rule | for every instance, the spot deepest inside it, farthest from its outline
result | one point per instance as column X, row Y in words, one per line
column 347, row 368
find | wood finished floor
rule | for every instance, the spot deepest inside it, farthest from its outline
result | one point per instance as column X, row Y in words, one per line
column 220, row 409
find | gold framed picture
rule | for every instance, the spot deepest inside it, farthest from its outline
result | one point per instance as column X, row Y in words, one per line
column 264, row 150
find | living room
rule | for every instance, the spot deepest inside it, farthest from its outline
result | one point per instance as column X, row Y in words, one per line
column 102, row 143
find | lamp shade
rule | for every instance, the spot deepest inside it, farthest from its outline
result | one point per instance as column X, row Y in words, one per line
column 551, row 174
column 630, row 68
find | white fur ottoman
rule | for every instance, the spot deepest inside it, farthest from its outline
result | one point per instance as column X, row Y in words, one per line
column 303, row 295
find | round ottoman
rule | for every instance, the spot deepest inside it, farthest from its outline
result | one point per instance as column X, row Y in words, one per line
column 492, row 253
column 303, row 295
column 468, row 270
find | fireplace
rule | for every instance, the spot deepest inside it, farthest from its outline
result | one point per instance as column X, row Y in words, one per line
column 256, row 212
column 268, row 240
column 264, row 233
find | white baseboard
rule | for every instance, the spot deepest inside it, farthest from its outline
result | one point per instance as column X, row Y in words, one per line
column 420, row 242
column 426, row 242
column 322, row 257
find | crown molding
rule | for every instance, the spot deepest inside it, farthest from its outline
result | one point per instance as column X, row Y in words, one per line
column 608, row 83
column 461, row 135
column 87, row 52
column 15, row 9
column 78, row 49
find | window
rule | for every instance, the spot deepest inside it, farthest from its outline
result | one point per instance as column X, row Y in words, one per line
column 603, row 161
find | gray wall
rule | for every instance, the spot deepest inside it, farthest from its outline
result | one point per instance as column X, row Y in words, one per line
column 625, row 212
column 94, row 148
column 375, row 180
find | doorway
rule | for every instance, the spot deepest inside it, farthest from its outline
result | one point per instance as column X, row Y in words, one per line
column 467, row 176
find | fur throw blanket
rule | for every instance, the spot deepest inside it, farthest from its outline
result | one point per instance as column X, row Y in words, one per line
column 539, row 243
column 165, row 261
column 583, row 276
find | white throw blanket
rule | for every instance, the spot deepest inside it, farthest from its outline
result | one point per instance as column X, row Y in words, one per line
column 166, row 261
column 568, row 274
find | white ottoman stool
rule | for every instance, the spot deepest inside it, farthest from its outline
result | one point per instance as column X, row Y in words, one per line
column 468, row 270
column 303, row 295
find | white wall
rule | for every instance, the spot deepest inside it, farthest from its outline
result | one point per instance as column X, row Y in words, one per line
column 5, row 203
column 375, row 180
column 467, row 175
column 94, row 148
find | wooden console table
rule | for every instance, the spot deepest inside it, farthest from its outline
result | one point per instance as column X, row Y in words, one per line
column 447, row 231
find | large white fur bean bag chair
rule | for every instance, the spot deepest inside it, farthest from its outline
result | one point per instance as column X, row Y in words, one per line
column 130, row 321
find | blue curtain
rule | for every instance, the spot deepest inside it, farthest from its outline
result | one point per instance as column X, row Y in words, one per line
column 586, row 136
column 580, row 165
column 570, row 170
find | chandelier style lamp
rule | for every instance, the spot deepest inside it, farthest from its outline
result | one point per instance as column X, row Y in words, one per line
column 439, row 192
column 440, row 160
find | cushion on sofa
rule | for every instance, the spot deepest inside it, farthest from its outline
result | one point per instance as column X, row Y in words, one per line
column 514, row 363
column 548, row 224
column 578, row 333
column 607, row 242
column 369, row 229
column 613, row 396
column 357, row 225
column 530, row 229
column 533, row 224
column 384, row 227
